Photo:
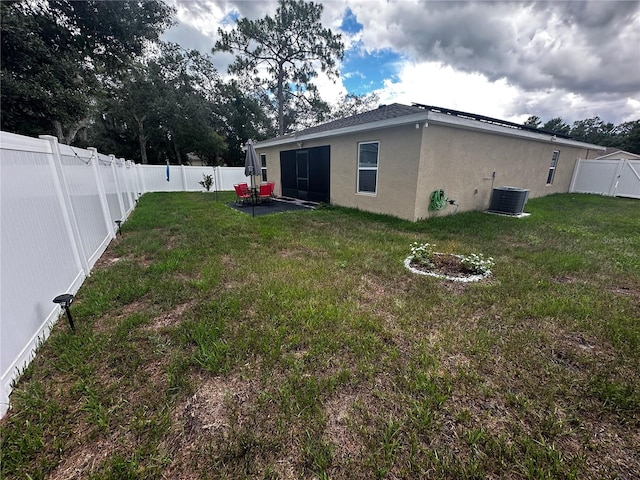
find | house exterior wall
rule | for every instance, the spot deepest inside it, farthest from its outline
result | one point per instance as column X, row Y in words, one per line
column 413, row 162
column 462, row 163
column 398, row 164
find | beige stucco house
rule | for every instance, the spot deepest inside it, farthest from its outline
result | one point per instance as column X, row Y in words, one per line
column 391, row 159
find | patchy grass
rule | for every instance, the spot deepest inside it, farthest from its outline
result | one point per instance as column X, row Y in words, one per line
column 211, row 343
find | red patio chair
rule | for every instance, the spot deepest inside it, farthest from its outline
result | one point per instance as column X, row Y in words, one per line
column 272, row 187
column 265, row 192
column 242, row 192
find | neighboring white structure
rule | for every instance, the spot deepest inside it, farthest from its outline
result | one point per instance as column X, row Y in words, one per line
column 58, row 207
column 616, row 174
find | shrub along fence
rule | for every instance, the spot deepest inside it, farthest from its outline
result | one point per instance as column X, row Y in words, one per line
column 58, row 211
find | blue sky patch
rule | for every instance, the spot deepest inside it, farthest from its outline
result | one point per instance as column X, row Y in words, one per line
column 363, row 71
column 350, row 22
column 230, row 18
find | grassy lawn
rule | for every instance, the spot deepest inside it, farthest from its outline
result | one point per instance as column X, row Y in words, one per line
column 211, row 344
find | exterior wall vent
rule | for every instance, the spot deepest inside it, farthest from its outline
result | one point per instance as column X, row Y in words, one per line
column 508, row 200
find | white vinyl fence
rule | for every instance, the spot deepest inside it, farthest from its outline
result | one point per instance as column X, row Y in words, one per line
column 613, row 177
column 153, row 178
column 58, row 206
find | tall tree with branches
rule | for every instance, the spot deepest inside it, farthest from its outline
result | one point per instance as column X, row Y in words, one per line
column 281, row 55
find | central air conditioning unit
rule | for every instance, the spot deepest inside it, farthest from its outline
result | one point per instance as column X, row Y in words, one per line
column 508, row 200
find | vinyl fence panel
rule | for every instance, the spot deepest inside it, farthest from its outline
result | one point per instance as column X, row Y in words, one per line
column 82, row 184
column 58, row 210
column 227, row 177
column 186, row 178
column 194, row 175
column 155, row 178
column 614, row 177
column 107, row 175
column 37, row 258
column 629, row 180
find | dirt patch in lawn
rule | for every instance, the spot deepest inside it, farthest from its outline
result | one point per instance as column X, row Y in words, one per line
column 172, row 317
column 338, row 411
column 82, row 460
column 207, row 417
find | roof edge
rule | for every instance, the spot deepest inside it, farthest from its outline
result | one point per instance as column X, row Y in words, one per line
column 459, row 122
column 429, row 116
column 301, row 137
column 620, row 154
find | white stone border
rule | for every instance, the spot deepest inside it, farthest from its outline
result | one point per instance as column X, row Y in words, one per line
column 468, row 279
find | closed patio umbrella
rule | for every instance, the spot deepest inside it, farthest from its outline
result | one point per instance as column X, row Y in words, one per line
column 252, row 167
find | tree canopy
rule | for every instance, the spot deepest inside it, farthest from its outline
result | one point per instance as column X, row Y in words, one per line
column 625, row 136
column 58, row 54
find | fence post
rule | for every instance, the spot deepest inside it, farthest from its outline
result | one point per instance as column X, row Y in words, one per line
column 127, row 185
column 70, row 220
column 133, row 178
column 102, row 194
column 141, row 180
column 218, row 177
column 118, row 188
column 616, row 178
column 184, row 178
column 574, row 177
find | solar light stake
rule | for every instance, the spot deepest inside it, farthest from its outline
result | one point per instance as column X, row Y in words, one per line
column 64, row 301
column 118, row 223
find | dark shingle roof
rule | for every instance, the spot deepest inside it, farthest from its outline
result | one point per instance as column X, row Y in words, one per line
column 383, row 112
column 440, row 115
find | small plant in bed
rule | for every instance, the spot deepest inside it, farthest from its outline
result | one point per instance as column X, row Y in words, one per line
column 422, row 254
column 424, row 260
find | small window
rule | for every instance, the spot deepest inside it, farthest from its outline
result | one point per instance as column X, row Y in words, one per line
column 368, row 167
column 263, row 162
column 552, row 168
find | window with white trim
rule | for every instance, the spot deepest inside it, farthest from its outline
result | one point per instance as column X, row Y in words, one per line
column 368, row 167
column 263, row 163
column 552, row 168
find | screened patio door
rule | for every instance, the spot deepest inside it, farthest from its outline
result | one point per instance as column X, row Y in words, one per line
column 305, row 173
column 302, row 174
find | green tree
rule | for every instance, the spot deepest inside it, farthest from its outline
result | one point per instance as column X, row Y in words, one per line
column 627, row 136
column 281, row 55
column 166, row 104
column 184, row 112
column 556, row 125
column 58, row 55
column 533, row 121
column 130, row 109
column 352, row 104
column 239, row 117
column 593, row 130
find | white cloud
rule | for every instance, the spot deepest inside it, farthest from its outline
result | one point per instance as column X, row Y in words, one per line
column 503, row 59
column 431, row 83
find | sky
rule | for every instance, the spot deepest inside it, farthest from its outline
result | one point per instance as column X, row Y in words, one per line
column 508, row 60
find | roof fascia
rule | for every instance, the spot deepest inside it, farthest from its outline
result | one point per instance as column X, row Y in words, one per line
column 389, row 122
column 449, row 120
column 429, row 116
